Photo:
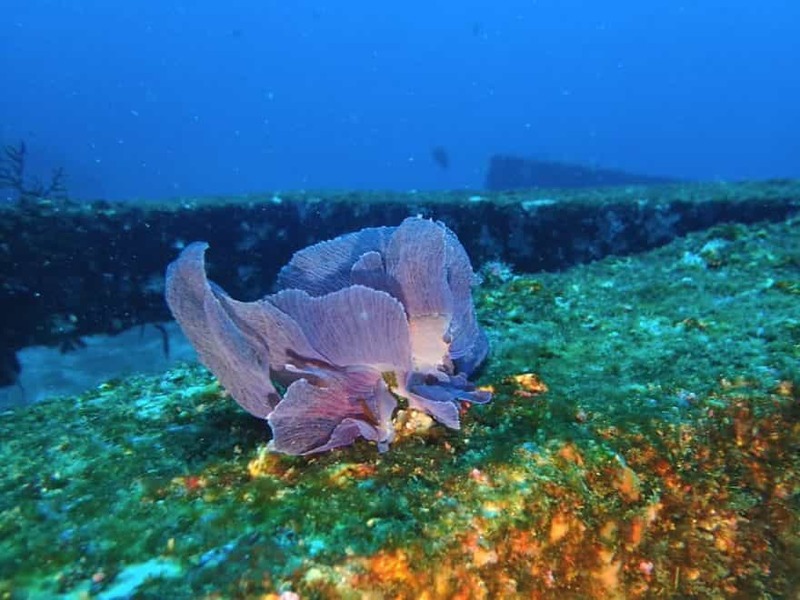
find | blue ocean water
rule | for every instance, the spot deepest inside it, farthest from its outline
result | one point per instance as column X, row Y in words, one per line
column 575, row 388
column 154, row 99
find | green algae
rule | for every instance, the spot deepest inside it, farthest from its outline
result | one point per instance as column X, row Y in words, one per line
column 668, row 350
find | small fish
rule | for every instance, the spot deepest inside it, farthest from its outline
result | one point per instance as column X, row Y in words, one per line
column 441, row 157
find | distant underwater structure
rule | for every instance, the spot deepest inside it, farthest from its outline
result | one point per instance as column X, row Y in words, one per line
column 358, row 320
column 513, row 172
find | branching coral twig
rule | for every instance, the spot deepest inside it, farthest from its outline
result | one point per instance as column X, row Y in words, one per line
column 12, row 176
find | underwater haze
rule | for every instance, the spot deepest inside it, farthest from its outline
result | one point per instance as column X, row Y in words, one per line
column 154, row 99
column 422, row 301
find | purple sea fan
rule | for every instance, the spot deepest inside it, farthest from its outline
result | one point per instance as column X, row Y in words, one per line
column 359, row 320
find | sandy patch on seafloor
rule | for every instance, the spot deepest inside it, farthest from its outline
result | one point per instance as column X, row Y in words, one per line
column 47, row 372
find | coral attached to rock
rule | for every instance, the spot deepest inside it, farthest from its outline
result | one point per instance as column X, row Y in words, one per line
column 360, row 320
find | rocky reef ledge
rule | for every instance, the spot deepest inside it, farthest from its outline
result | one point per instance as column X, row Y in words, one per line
column 643, row 441
column 73, row 269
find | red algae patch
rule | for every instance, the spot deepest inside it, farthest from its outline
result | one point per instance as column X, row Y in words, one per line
column 668, row 521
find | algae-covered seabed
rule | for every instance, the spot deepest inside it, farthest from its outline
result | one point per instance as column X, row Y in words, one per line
column 643, row 441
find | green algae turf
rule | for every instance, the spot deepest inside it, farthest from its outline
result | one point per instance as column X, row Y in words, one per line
column 158, row 466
